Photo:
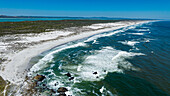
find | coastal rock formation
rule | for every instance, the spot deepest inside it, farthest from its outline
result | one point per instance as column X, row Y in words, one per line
column 63, row 94
column 52, row 91
column 68, row 74
column 62, row 90
column 95, row 73
column 71, row 78
column 39, row 77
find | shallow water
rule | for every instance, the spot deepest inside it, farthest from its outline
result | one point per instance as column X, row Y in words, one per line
column 131, row 61
column 28, row 19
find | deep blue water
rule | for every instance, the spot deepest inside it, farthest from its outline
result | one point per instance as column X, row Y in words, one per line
column 60, row 18
column 131, row 61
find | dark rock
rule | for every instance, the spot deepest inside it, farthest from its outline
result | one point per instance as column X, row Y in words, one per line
column 68, row 74
column 39, row 77
column 44, row 84
column 71, row 78
column 62, row 94
column 55, row 84
column 104, row 70
column 97, row 77
column 62, row 90
column 53, row 91
column 95, row 73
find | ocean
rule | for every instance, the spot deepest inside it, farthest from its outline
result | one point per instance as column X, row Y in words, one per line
column 63, row 18
column 131, row 61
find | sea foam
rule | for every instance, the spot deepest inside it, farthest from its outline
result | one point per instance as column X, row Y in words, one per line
column 48, row 58
column 109, row 33
column 103, row 61
column 130, row 43
column 137, row 33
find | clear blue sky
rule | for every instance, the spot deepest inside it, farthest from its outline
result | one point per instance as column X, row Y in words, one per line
column 106, row 8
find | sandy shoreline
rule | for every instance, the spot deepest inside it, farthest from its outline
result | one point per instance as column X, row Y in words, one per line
column 15, row 70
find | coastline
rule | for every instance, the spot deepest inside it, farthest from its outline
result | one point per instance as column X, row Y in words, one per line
column 15, row 70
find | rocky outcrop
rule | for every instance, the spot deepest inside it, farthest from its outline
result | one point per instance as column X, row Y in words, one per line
column 71, row 78
column 68, row 74
column 63, row 94
column 62, row 91
column 52, row 91
column 39, row 78
column 95, row 73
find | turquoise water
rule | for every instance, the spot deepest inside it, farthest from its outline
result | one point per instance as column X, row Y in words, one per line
column 131, row 61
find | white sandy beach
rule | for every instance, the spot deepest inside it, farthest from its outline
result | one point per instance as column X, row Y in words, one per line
column 18, row 62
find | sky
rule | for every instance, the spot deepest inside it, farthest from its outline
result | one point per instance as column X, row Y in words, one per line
column 154, row 9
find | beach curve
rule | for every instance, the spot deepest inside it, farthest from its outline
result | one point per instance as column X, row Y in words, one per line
column 16, row 69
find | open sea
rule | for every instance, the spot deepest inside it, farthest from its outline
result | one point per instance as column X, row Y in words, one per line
column 131, row 61
column 61, row 18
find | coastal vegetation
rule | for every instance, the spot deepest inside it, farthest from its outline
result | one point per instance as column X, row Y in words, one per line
column 2, row 85
column 42, row 26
